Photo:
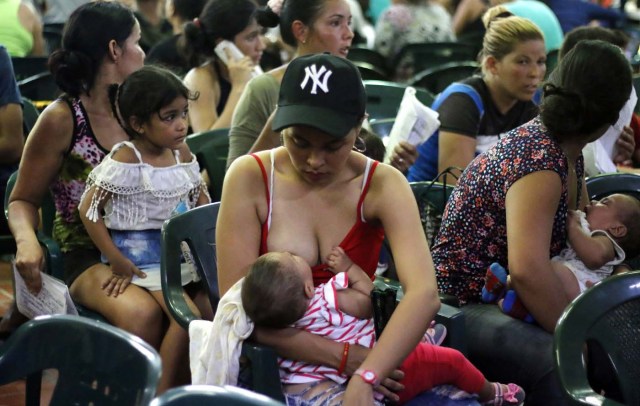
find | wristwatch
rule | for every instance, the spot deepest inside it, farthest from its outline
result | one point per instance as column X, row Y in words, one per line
column 368, row 376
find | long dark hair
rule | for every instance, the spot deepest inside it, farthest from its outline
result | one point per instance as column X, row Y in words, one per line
column 85, row 43
column 220, row 19
column 305, row 11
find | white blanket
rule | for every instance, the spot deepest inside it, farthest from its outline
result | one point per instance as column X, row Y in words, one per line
column 214, row 347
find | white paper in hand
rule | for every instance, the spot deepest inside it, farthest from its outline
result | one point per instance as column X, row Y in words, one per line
column 53, row 298
column 415, row 123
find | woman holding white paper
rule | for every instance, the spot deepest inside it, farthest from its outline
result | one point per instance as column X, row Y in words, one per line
column 476, row 113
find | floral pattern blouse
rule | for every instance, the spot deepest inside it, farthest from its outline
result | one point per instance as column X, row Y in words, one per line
column 473, row 233
column 85, row 153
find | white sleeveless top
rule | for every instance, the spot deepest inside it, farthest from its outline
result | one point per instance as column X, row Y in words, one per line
column 142, row 196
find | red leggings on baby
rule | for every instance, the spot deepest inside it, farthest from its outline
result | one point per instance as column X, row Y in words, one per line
column 430, row 365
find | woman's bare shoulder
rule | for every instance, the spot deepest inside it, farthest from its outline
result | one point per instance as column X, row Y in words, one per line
column 55, row 124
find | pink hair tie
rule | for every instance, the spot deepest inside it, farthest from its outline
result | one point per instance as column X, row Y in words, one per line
column 275, row 6
column 196, row 22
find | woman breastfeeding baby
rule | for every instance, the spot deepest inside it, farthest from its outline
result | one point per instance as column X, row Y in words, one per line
column 334, row 192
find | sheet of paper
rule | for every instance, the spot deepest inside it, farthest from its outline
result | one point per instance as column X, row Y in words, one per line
column 53, row 298
column 415, row 123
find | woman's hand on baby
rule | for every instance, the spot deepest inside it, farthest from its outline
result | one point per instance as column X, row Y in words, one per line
column 122, row 271
column 403, row 156
column 30, row 262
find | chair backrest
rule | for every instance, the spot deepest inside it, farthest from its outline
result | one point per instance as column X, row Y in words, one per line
column 432, row 198
column 53, row 254
column 606, row 315
column 416, row 57
column 96, row 362
column 368, row 55
column 52, row 33
column 371, row 72
column 473, row 38
column 196, row 395
column 436, row 79
column 382, row 126
column 211, row 149
column 23, row 67
column 40, row 86
column 383, row 98
column 197, row 228
column 606, row 184
column 29, row 115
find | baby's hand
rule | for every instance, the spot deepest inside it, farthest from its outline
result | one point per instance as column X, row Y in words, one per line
column 338, row 260
column 573, row 219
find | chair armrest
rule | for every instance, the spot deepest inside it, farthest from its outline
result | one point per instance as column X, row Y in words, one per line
column 453, row 319
column 53, row 256
column 263, row 369
column 450, row 316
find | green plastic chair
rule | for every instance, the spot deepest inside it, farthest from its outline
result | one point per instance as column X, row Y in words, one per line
column 211, row 149
column 606, row 315
column 197, row 227
column 53, row 255
column 383, row 98
column 382, row 126
column 371, row 72
column 29, row 115
column 416, row 57
column 201, row 395
column 368, row 55
column 437, row 79
column 606, row 184
column 24, row 67
column 97, row 363
column 50, row 247
column 432, row 198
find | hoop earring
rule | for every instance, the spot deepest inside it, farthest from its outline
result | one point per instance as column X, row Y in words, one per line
column 363, row 146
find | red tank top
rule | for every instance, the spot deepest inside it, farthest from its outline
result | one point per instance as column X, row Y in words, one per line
column 362, row 243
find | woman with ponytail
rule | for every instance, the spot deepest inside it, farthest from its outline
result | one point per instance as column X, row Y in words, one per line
column 220, row 81
column 310, row 26
column 510, row 207
column 477, row 111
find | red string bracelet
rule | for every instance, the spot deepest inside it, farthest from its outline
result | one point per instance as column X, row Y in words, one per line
column 345, row 357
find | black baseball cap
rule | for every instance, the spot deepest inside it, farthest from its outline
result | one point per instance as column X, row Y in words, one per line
column 321, row 91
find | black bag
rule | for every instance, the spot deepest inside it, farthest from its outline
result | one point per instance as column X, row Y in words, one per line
column 384, row 303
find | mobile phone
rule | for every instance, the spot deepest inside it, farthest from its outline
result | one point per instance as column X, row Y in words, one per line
column 234, row 52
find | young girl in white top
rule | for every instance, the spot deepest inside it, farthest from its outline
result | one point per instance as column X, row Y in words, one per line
column 139, row 185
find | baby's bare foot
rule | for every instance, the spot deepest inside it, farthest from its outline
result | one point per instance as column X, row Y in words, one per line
column 338, row 260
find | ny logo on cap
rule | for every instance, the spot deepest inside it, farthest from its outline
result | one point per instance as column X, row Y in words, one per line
column 316, row 76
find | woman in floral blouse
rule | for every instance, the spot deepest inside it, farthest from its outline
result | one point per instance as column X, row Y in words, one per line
column 516, row 196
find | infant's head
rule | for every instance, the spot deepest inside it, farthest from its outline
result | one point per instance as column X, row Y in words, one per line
column 618, row 215
column 277, row 289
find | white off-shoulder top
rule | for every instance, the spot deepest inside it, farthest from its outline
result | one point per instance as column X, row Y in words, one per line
column 142, row 196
